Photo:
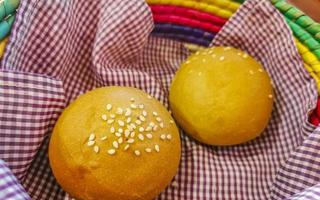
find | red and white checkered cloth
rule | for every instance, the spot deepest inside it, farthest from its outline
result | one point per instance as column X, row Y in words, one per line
column 60, row 49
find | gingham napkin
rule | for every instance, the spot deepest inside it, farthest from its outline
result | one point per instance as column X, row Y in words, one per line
column 60, row 49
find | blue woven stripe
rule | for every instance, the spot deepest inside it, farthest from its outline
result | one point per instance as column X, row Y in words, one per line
column 183, row 33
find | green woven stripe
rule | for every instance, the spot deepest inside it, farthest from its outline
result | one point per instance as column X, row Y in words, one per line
column 303, row 27
column 298, row 17
column 293, row 13
column 304, row 21
column 297, row 30
column 314, row 29
column 317, row 37
column 317, row 53
column 282, row 6
column 303, row 36
column 312, row 43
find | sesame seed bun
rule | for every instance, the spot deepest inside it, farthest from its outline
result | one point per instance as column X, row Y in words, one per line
column 114, row 143
column 222, row 96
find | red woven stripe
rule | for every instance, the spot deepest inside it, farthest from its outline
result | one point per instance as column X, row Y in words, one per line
column 176, row 19
column 188, row 13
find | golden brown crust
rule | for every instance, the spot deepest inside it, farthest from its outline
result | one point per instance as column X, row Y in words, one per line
column 124, row 175
column 222, row 96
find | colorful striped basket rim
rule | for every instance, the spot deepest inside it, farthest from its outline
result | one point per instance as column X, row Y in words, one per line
column 303, row 27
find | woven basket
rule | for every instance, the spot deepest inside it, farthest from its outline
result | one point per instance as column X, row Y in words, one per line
column 197, row 23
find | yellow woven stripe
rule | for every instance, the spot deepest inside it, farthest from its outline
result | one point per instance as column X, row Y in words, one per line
column 205, row 7
column 227, row 4
column 311, row 63
column 3, row 44
column 308, row 56
column 301, row 48
column 314, row 75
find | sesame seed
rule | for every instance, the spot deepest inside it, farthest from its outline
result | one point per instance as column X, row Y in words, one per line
column 203, row 60
column 221, row 58
column 141, row 106
column 270, row 96
column 171, row 121
column 129, row 127
column 159, row 119
column 260, row 70
column 149, row 97
column 148, row 128
column 120, row 130
column 118, row 134
column 119, row 111
column 104, row 117
column 133, row 126
column 213, row 56
column 110, row 121
column 137, row 152
column 144, row 113
column 141, row 137
column 239, row 54
column 130, row 141
column 155, row 128
column 96, row 149
column 91, row 143
column 92, row 136
column 149, row 136
column 245, row 55
column 141, row 129
column 251, row 72
column 148, row 150
column 120, row 140
column 126, row 147
column 132, row 134
column 111, row 151
column 128, row 112
column 200, row 73
column 197, row 53
column 188, row 61
column 126, row 133
column 161, row 125
column 133, row 106
column 121, row 123
column 169, row 137
column 128, row 120
column 155, row 113
column 163, row 136
column 115, row 144
column 132, row 100
column 112, row 116
column 109, row 106
column 142, row 118
column 104, row 138
column 157, row 148
column 112, row 129
column 226, row 48
column 151, row 124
